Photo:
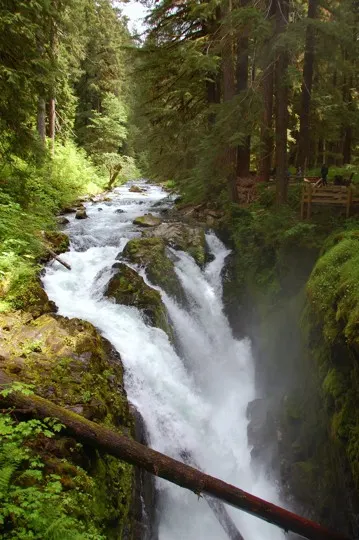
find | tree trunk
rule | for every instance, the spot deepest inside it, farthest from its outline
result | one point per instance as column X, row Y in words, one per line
column 213, row 83
column 242, row 66
column 348, row 130
column 52, row 120
column 41, row 119
column 308, row 71
column 281, row 80
column 52, row 103
column 119, row 446
column 267, row 88
column 347, row 145
column 230, row 154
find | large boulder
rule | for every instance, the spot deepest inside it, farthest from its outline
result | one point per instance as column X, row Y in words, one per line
column 69, row 363
column 148, row 220
column 184, row 237
column 151, row 253
column 128, row 288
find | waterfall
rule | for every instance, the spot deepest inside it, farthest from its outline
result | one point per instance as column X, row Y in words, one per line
column 193, row 399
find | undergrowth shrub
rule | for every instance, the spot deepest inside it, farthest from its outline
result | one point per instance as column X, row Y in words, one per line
column 34, row 504
column 30, row 195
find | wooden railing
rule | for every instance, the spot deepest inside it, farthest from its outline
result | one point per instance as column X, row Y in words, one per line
column 344, row 196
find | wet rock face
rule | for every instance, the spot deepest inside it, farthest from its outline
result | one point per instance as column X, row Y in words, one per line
column 262, row 434
column 183, row 237
column 69, row 363
column 151, row 254
column 128, row 288
column 144, row 498
column 148, row 220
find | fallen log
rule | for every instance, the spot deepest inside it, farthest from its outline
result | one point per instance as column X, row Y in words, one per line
column 217, row 507
column 183, row 475
column 53, row 254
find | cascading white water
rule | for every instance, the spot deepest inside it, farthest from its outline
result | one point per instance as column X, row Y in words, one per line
column 194, row 402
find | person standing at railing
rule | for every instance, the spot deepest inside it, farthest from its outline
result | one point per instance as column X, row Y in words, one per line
column 324, row 173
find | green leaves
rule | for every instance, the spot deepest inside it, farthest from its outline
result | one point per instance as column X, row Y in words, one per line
column 33, row 501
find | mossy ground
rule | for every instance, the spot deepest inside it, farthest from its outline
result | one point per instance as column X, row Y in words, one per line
column 69, row 363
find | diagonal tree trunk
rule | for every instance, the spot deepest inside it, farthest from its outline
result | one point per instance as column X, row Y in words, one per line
column 307, row 84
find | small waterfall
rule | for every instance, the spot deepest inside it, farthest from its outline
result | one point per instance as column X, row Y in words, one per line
column 193, row 401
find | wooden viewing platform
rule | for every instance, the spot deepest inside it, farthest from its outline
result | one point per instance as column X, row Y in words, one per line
column 345, row 196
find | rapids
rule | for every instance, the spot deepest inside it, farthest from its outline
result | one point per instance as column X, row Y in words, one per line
column 193, row 399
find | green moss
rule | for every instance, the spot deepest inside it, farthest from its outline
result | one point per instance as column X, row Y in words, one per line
column 128, row 288
column 151, row 253
column 333, row 289
column 25, row 292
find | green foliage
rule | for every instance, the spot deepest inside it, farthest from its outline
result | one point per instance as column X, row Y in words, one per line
column 29, row 197
column 34, row 503
column 334, row 285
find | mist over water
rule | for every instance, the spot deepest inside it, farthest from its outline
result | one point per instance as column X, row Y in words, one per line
column 193, row 399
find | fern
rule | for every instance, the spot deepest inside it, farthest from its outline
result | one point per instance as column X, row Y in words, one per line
column 33, row 503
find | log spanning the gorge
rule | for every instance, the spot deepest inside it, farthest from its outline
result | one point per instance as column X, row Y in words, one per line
column 217, row 507
column 183, row 475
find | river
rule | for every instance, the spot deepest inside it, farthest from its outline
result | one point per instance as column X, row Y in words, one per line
column 193, row 400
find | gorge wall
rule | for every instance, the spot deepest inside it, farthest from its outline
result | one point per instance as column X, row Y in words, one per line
column 290, row 301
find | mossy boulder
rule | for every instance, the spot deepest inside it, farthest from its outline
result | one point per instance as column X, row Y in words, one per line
column 183, row 237
column 151, row 253
column 69, row 363
column 25, row 292
column 148, row 220
column 128, row 288
column 58, row 241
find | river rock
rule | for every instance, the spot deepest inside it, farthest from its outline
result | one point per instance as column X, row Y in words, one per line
column 62, row 220
column 58, row 241
column 119, row 211
column 129, row 288
column 148, row 220
column 136, row 189
column 184, row 237
column 81, row 214
column 151, row 253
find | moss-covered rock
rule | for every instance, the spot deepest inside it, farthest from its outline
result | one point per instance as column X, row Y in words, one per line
column 130, row 289
column 151, row 254
column 183, row 237
column 58, row 241
column 148, row 220
column 69, row 363
column 25, row 292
